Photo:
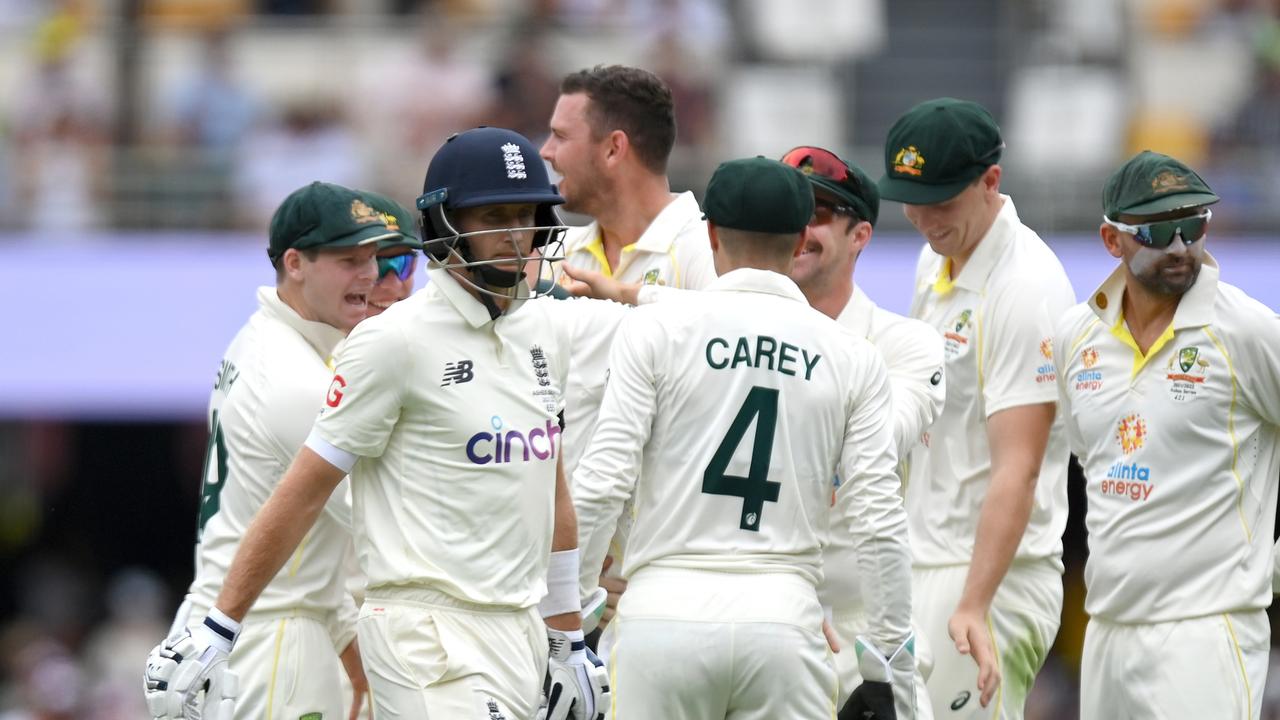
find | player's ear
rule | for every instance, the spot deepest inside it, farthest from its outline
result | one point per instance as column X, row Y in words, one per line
column 713, row 236
column 617, row 145
column 1111, row 240
column 291, row 261
column 800, row 240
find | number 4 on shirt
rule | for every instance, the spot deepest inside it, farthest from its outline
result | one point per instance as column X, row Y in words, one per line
column 756, row 488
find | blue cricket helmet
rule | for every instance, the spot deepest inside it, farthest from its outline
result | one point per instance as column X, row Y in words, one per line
column 485, row 166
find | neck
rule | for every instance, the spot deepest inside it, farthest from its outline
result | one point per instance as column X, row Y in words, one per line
column 832, row 299
column 491, row 303
column 1144, row 310
column 291, row 295
column 622, row 223
column 959, row 260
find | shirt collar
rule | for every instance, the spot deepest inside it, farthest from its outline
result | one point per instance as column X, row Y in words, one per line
column 1195, row 309
column 322, row 337
column 985, row 256
column 662, row 232
column 760, row 281
column 471, row 309
column 856, row 315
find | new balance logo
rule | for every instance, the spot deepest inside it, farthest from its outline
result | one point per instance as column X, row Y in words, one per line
column 456, row 373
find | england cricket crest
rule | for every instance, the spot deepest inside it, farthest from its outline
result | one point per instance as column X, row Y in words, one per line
column 544, row 392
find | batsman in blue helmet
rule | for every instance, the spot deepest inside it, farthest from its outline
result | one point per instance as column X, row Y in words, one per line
column 444, row 411
column 488, row 213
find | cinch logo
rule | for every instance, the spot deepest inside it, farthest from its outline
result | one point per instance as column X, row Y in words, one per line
column 495, row 447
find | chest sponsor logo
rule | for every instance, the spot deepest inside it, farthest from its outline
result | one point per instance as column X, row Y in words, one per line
column 956, row 334
column 497, row 447
column 1046, row 372
column 334, row 398
column 456, row 373
column 1186, row 373
column 1089, row 379
column 1127, row 478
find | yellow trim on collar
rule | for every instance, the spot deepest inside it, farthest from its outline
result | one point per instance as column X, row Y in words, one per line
column 1121, row 332
column 944, row 283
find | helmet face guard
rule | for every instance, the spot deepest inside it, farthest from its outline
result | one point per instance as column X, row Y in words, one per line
column 449, row 248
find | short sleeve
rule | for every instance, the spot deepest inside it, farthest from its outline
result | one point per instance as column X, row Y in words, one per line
column 364, row 398
column 1257, row 361
column 1017, row 365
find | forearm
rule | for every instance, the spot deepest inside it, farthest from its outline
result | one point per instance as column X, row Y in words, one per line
column 561, row 609
column 565, row 535
column 276, row 532
column 1001, row 524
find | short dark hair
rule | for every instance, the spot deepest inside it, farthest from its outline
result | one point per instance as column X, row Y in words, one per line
column 632, row 100
column 277, row 262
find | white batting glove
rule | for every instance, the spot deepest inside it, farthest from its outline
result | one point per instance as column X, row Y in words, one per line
column 578, row 684
column 186, row 676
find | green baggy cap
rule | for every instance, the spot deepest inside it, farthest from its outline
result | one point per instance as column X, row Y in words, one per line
column 1150, row 184
column 936, row 149
column 759, row 195
column 326, row 215
column 398, row 218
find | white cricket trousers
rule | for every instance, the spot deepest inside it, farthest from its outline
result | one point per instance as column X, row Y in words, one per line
column 1205, row 667
column 287, row 667
column 849, row 623
column 704, row 645
column 429, row 656
column 1023, row 623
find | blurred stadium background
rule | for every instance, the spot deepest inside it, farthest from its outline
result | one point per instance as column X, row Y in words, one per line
column 144, row 144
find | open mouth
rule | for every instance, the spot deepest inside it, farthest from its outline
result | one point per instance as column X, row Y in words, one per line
column 357, row 299
column 380, row 306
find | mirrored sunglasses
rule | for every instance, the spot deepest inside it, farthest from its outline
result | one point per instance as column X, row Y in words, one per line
column 402, row 265
column 1160, row 234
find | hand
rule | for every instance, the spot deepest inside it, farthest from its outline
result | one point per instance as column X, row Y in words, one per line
column 829, row 633
column 578, row 684
column 968, row 629
column 589, row 283
column 615, row 586
column 186, row 676
column 359, row 683
column 888, row 689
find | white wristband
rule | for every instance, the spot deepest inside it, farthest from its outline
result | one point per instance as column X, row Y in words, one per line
column 222, row 630
column 562, row 585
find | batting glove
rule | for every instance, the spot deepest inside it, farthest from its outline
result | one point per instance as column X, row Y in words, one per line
column 187, row 677
column 577, row 684
column 887, row 691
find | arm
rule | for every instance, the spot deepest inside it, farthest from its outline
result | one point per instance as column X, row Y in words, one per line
column 916, row 377
column 564, row 539
column 1017, row 437
column 277, row 530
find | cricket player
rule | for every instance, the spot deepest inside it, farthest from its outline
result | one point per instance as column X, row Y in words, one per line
column 444, row 409
column 725, row 417
column 1170, row 383
column 986, row 491
column 397, row 262
column 612, row 131
column 846, row 206
column 271, row 383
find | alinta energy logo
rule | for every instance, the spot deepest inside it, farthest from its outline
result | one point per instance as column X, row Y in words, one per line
column 1126, row 478
column 1089, row 379
column 496, row 447
column 1046, row 372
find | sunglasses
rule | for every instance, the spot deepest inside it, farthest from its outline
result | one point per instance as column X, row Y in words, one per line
column 402, row 265
column 1160, row 234
column 824, row 211
column 826, row 164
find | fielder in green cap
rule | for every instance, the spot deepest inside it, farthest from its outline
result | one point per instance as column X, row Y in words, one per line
column 987, row 579
column 714, row 555
column 271, row 383
column 1170, row 388
column 397, row 256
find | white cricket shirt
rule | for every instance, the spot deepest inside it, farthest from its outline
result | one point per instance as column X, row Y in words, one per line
column 1180, row 450
column 912, row 352
column 454, row 417
column 996, row 319
column 270, row 387
column 726, row 416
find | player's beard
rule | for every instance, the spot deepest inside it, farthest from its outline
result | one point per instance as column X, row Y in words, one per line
column 589, row 195
column 1166, row 273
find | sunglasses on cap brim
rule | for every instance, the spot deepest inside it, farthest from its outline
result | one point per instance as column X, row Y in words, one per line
column 1160, row 234
column 402, row 265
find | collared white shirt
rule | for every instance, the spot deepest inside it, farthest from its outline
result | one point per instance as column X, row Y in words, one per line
column 1180, row 449
column 726, row 416
column 912, row 352
column 996, row 319
column 269, row 387
column 454, row 418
